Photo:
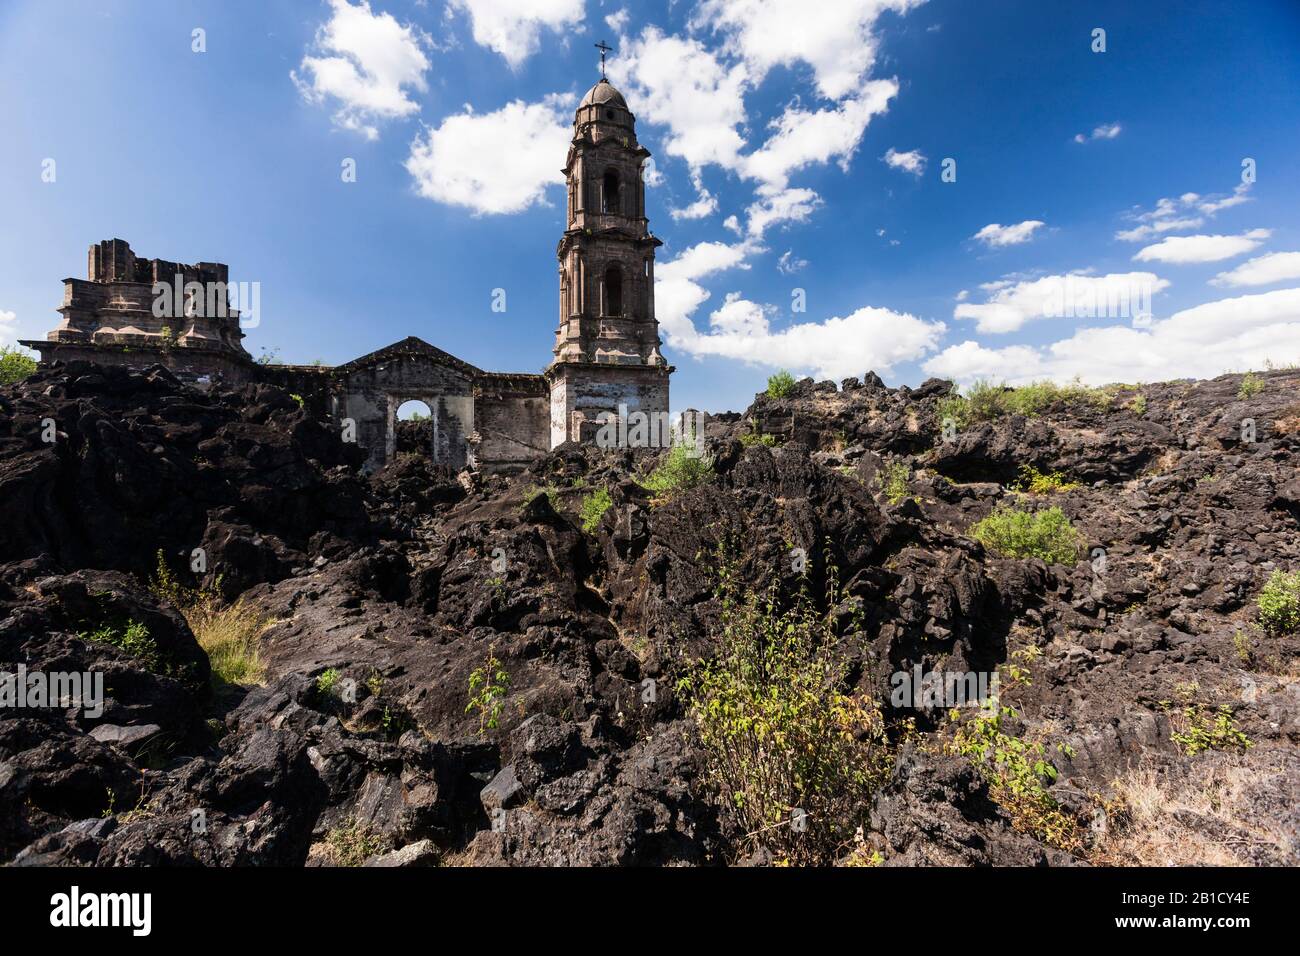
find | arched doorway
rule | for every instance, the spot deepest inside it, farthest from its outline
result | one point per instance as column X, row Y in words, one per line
column 414, row 428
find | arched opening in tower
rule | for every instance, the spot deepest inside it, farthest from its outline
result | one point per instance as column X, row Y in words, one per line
column 613, row 291
column 609, row 194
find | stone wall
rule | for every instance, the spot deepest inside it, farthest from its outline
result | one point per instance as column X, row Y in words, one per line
column 511, row 414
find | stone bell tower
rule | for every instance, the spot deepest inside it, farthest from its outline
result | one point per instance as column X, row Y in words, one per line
column 607, row 346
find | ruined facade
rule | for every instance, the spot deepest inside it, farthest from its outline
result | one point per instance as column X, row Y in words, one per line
column 133, row 311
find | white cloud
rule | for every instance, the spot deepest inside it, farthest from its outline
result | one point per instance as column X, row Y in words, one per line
column 789, row 263
column 705, row 205
column 1187, row 211
column 1107, row 131
column 678, row 83
column 618, row 21
column 1011, row 304
column 1201, row 342
column 1182, row 250
column 678, row 292
column 801, row 138
column 787, row 205
column 869, row 338
column 8, row 326
column 996, row 235
column 513, row 27
column 366, row 61
column 1262, row 270
column 837, row 39
column 911, row 161
column 500, row 162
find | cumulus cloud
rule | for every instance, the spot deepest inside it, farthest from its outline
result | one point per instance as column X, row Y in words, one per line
column 995, row 235
column 911, row 161
column 839, row 42
column 368, row 63
column 786, row 205
column 513, row 27
column 789, row 263
column 499, row 162
column 1107, row 131
column 706, row 204
column 8, row 325
column 1201, row 342
column 1010, row 304
column 1182, row 250
column 1262, row 270
column 1188, row 211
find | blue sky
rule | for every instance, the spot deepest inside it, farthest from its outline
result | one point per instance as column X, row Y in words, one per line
column 798, row 159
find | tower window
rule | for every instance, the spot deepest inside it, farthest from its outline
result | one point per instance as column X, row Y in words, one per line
column 609, row 202
column 613, row 291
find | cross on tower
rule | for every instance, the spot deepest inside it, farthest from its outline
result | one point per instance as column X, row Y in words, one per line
column 604, row 48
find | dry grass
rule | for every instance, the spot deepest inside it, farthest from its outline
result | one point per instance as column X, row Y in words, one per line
column 231, row 635
column 1204, row 818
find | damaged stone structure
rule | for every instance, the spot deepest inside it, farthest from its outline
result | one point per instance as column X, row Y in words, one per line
column 606, row 355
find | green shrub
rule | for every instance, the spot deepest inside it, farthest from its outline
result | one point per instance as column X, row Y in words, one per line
column 132, row 637
column 15, row 365
column 1014, row 533
column 1251, row 385
column 678, row 470
column 892, row 479
column 1138, row 405
column 1202, row 730
column 984, row 401
column 792, row 751
column 1018, row 773
column 327, row 681
column 1279, row 603
column 1036, row 482
column 780, row 384
column 749, row 439
column 593, row 509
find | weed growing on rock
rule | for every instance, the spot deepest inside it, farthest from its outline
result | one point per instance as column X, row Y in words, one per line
column 132, row 637
column 1279, row 603
column 780, row 384
column 327, row 681
column 488, row 686
column 230, row 634
column 352, row 843
column 593, row 509
column 1138, row 405
column 1251, row 385
column 793, row 753
column 892, row 479
column 985, row 401
column 1014, row 533
column 749, row 439
column 1203, row 730
column 1036, row 482
column 678, row 471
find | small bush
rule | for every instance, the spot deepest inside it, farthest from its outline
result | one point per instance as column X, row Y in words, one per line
column 892, row 479
column 132, row 637
column 984, row 401
column 1202, row 730
column 1251, row 385
column 1036, row 482
column 15, row 365
column 327, row 681
column 1279, row 603
column 780, row 384
column 679, row 470
column 593, row 509
column 793, row 753
column 1014, row 533
column 1138, row 405
column 749, row 439
column 488, row 686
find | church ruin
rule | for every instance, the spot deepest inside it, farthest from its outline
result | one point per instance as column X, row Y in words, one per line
column 606, row 356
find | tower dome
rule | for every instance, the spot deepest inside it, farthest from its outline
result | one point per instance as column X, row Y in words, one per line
column 602, row 93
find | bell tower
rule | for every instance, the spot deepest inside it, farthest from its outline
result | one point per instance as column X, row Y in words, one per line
column 607, row 348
